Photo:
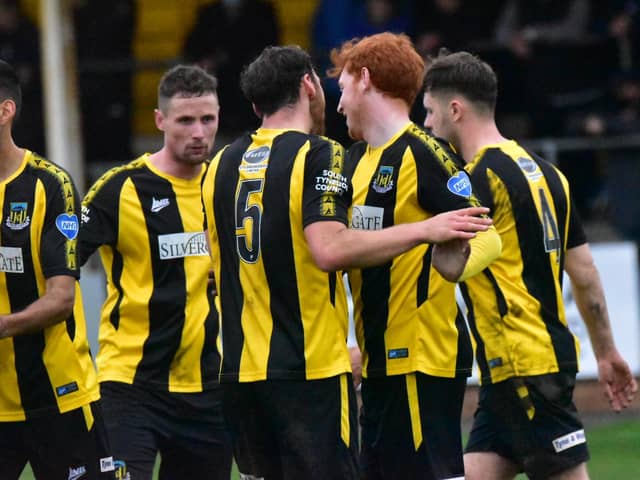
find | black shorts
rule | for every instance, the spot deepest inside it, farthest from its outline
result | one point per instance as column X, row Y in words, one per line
column 187, row 430
column 285, row 429
column 531, row 421
column 411, row 427
column 60, row 446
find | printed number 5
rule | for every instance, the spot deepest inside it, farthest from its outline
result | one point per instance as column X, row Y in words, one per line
column 550, row 226
column 249, row 251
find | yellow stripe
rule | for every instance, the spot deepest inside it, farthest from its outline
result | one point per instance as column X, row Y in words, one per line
column 345, row 432
column 88, row 416
column 414, row 410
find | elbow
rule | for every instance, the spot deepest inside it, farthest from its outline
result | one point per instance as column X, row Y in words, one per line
column 328, row 261
column 65, row 305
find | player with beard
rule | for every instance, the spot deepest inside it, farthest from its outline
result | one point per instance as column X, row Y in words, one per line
column 276, row 202
column 158, row 362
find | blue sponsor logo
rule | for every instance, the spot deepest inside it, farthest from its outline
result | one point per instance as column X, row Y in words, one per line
column 68, row 225
column 460, row 184
column 66, row 389
column 256, row 155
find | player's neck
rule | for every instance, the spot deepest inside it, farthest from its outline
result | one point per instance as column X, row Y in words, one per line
column 288, row 118
column 11, row 157
column 165, row 163
column 384, row 120
column 477, row 136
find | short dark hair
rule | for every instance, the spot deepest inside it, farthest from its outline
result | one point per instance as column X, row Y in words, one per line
column 185, row 81
column 272, row 80
column 10, row 86
column 465, row 74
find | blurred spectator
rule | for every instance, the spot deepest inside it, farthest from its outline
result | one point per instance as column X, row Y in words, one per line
column 454, row 24
column 104, row 46
column 20, row 46
column 618, row 114
column 228, row 35
column 616, row 21
column 336, row 21
column 550, row 57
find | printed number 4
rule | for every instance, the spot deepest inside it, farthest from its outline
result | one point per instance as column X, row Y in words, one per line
column 550, row 226
column 246, row 210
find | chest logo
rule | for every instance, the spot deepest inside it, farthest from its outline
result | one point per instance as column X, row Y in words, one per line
column 18, row 218
column 460, row 184
column 68, row 225
column 157, row 205
column 383, row 182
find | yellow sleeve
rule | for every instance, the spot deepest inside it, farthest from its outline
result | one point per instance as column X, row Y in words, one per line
column 485, row 248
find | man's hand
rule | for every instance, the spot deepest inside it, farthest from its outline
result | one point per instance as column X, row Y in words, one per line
column 449, row 258
column 617, row 380
column 463, row 224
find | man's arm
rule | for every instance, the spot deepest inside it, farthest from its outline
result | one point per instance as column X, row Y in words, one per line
column 54, row 306
column 457, row 260
column 615, row 376
column 334, row 246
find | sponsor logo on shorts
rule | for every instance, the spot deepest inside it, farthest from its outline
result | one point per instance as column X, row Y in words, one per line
column 398, row 353
column 246, row 476
column 11, row 260
column 106, row 464
column 569, row 440
column 120, row 470
column 76, row 473
column 364, row 217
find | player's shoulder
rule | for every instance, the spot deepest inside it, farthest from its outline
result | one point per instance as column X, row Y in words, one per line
column 115, row 177
column 48, row 171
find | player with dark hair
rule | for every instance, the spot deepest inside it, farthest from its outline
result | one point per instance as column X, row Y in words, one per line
column 158, row 362
column 50, row 414
column 276, row 203
column 526, row 420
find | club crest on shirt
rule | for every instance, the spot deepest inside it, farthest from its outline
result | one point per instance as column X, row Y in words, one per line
column 68, row 225
column 383, row 182
column 18, row 218
column 460, row 184
column 529, row 167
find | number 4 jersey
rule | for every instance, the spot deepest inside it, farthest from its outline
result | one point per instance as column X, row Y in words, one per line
column 282, row 317
column 516, row 312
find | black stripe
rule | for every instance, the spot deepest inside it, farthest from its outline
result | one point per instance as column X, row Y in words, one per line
column 168, row 298
column 229, row 286
column 210, row 357
column 464, row 359
column 35, row 388
column 71, row 327
column 537, row 273
column 116, row 276
column 501, row 302
column 286, row 350
column 481, row 356
column 376, row 281
column 422, row 285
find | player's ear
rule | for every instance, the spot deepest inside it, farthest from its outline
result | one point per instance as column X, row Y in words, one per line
column 309, row 85
column 159, row 119
column 7, row 111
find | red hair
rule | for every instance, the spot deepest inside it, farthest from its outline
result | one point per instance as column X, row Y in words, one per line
column 395, row 68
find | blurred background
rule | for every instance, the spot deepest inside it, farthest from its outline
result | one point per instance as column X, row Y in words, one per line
column 569, row 88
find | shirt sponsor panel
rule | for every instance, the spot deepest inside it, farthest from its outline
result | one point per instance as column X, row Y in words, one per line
column 184, row 244
column 364, row 217
column 11, row 260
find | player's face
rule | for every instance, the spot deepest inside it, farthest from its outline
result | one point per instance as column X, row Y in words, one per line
column 316, row 107
column 190, row 126
column 349, row 103
column 437, row 119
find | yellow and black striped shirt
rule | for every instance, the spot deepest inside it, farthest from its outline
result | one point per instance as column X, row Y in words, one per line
column 406, row 315
column 282, row 317
column 158, row 324
column 516, row 312
column 48, row 371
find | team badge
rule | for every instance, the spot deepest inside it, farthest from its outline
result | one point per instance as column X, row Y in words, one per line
column 460, row 184
column 18, row 218
column 384, row 179
column 68, row 225
column 529, row 167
